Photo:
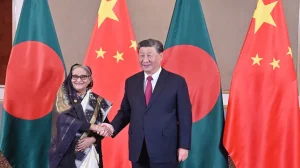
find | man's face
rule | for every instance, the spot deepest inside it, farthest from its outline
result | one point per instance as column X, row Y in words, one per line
column 149, row 59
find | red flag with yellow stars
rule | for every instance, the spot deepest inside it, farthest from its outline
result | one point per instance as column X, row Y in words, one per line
column 262, row 122
column 112, row 57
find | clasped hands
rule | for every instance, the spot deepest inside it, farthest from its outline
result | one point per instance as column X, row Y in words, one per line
column 103, row 129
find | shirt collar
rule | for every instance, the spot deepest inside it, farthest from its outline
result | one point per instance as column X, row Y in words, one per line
column 154, row 76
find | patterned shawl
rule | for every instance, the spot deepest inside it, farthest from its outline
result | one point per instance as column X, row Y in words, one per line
column 70, row 112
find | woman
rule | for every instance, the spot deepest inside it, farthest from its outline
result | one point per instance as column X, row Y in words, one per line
column 75, row 141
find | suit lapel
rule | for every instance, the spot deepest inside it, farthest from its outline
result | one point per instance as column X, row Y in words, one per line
column 140, row 89
column 158, row 87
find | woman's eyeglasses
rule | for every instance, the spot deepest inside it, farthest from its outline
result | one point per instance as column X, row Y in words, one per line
column 82, row 77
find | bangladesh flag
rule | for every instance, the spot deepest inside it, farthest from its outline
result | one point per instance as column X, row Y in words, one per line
column 34, row 74
column 189, row 53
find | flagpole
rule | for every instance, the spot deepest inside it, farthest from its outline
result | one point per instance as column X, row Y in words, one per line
column 16, row 11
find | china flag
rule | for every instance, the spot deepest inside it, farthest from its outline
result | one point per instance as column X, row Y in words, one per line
column 112, row 57
column 262, row 122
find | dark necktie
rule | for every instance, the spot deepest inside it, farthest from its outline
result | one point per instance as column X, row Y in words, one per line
column 148, row 91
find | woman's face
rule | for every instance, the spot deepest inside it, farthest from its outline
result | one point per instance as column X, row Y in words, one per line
column 80, row 79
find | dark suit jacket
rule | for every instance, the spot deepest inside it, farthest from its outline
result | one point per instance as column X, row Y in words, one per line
column 165, row 124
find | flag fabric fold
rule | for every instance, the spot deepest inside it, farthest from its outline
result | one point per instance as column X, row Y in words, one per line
column 262, row 121
column 112, row 57
column 34, row 74
column 189, row 53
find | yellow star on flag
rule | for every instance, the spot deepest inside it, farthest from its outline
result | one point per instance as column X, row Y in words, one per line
column 275, row 63
column 106, row 11
column 100, row 53
column 289, row 51
column 262, row 14
column 256, row 60
column 119, row 56
column 133, row 44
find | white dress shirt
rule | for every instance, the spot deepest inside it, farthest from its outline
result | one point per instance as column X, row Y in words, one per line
column 154, row 79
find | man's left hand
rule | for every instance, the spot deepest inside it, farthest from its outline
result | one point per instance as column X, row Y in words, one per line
column 182, row 154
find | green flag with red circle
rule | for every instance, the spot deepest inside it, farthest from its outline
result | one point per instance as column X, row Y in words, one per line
column 34, row 74
column 189, row 53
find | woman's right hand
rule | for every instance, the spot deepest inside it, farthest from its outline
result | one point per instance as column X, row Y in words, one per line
column 94, row 127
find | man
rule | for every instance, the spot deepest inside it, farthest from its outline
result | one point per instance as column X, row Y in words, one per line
column 156, row 103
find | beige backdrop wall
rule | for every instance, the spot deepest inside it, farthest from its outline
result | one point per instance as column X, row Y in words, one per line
column 227, row 22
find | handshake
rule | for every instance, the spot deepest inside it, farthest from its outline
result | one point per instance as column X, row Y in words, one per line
column 103, row 129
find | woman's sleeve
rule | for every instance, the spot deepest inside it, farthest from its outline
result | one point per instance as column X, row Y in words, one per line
column 78, row 114
column 85, row 127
